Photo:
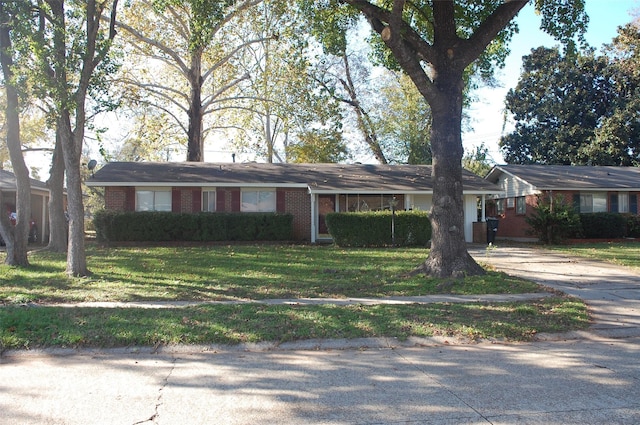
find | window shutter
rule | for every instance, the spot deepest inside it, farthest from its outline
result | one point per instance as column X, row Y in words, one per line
column 281, row 203
column 235, row 200
column 176, row 204
column 633, row 203
column 130, row 199
column 196, row 200
column 613, row 202
column 576, row 202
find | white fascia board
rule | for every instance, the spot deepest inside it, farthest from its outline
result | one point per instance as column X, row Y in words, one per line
column 591, row 189
column 366, row 192
column 192, row 184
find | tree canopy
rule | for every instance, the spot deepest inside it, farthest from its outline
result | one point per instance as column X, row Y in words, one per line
column 577, row 108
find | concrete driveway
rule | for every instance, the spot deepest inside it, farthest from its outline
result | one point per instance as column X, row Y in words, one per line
column 611, row 292
column 591, row 379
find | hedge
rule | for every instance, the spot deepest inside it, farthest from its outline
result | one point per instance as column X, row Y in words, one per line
column 373, row 229
column 603, row 225
column 167, row 226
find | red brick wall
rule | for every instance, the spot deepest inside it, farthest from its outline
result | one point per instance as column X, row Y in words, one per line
column 115, row 198
column 298, row 203
column 513, row 225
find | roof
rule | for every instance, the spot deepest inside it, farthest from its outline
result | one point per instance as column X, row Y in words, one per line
column 8, row 182
column 318, row 178
column 572, row 177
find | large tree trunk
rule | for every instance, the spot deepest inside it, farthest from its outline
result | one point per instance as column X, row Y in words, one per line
column 16, row 240
column 58, row 230
column 195, row 142
column 448, row 255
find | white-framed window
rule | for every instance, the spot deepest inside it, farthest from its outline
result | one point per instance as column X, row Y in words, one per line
column 153, row 199
column 511, row 202
column 521, row 205
column 593, row 202
column 208, row 200
column 263, row 200
column 619, row 202
column 500, row 206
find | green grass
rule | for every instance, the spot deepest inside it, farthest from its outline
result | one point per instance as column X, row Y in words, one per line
column 238, row 272
column 214, row 273
column 29, row 327
column 621, row 253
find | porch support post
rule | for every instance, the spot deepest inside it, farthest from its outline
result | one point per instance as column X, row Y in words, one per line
column 314, row 215
column 482, row 206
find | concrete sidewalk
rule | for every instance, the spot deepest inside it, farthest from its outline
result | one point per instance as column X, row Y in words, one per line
column 591, row 378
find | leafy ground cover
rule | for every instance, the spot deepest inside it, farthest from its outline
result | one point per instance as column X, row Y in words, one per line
column 237, row 272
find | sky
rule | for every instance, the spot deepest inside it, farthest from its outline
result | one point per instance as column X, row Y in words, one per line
column 487, row 113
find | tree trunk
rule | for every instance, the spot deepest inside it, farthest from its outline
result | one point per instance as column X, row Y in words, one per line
column 195, row 142
column 72, row 143
column 448, row 256
column 17, row 239
column 58, row 226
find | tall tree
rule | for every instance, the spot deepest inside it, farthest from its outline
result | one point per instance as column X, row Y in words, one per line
column 578, row 108
column 557, row 105
column 187, row 43
column 281, row 106
column 437, row 43
column 72, row 47
column 344, row 78
column 15, row 239
column 403, row 119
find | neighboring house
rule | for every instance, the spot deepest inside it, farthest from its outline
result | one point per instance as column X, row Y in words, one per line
column 307, row 191
column 589, row 188
column 39, row 201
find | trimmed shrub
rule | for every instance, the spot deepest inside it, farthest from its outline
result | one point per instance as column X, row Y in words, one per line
column 167, row 226
column 373, row 229
column 603, row 225
column 633, row 225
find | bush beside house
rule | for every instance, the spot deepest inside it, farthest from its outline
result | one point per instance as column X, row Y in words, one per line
column 373, row 229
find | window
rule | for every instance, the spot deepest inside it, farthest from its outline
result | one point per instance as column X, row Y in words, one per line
column 619, row 202
column 258, row 201
column 500, row 206
column 510, row 202
column 153, row 199
column 521, row 205
column 364, row 203
column 209, row 200
column 593, row 202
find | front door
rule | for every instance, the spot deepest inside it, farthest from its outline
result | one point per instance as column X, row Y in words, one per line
column 326, row 204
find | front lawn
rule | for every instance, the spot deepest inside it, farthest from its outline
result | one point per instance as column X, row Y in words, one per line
column 621, row 253
column 235, row 272
column 241, row 272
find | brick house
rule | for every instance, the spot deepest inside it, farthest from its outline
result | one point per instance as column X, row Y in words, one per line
column 307, row 191
column 589, row 188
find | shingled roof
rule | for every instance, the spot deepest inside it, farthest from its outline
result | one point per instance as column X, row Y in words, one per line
column 570, row 177
column 8, row 182
column 319, row 178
